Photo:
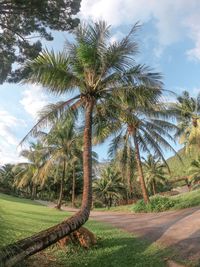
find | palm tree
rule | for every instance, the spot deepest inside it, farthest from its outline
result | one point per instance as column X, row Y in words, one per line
column 109, row 187
column 95, row 69
column 187, row 112
column 28, row 173
column 7, row 177
column 124, row 160
column 61, row 144
column 194, row 171
column 154, row 173
column 140, row 122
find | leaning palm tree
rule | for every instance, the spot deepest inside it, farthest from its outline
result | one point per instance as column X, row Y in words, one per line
column 140, row 122
column 95, row 69
column 187, row 112
column 154, row 172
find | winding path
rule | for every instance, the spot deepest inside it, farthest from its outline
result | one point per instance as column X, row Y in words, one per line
column 175, row 229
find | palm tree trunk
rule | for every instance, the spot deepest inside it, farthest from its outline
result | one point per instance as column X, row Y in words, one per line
column 33, row 191
column 154, row 187
column 130, row 188
column 140, row 171
column 59, row 204
column 14, row 253
column 73, row 186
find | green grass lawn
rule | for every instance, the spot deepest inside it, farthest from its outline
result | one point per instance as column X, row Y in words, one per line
column 20, row 218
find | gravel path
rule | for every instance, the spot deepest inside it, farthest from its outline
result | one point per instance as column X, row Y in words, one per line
column 175, row 229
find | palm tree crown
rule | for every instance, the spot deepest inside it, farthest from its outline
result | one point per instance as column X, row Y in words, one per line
column 154, row 172
column 187, row 112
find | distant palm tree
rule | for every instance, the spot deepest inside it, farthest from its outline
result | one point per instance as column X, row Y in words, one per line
column 154, row 172
column 194, row 171
column 124, row 160
column 27, row 174
column 95, row 69
column 187, row 112
column 61, row 145
column 7, row 177
column 140, row 122
column 109, row 187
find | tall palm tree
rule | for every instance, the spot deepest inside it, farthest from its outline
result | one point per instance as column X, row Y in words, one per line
column 187, row 112
column 109, row 187
column 95, row 69
column 140, row 122
column 154, row 172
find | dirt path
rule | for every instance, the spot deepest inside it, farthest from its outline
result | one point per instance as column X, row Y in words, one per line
column 176, row 229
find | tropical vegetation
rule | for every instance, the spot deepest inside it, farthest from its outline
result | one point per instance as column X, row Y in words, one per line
column 106, row 96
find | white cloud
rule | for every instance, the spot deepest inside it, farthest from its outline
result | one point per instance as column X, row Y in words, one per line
column 174, row 20
column 9, row 124
column 34, row 99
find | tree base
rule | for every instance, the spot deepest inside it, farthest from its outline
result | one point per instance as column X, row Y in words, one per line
column 82, row 237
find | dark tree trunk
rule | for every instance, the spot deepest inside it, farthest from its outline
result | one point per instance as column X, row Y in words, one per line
column 59, row 204
column 154, row 187
column 14, row 253
column 140, row 171
column 33, row 191
column 130, row 188
column 73, row 186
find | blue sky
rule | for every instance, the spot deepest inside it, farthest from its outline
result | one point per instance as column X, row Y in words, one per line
column 169, row 42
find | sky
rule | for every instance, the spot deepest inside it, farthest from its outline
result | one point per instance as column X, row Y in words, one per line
column 169, row 42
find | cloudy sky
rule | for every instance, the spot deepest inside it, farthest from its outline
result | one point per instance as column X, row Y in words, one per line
column 169, row 42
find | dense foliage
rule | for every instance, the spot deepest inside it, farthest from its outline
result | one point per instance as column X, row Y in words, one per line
column 157, row 204
column 23, row 23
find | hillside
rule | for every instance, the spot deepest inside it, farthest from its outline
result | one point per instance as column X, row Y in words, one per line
column 179, row 168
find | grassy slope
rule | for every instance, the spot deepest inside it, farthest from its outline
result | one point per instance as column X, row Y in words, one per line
column 20, row 218
column 187, row 200
column 179, row 168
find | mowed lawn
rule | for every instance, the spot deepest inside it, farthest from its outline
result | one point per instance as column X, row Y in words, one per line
column 20, row 218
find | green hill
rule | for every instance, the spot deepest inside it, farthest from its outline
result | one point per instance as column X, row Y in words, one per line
column 178, row 167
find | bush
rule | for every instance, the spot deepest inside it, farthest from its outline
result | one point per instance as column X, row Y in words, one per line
column 98, row 204
column 157, row 204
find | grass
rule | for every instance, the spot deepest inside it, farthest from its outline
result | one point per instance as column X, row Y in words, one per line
column 21, row 218
column 181, row 201
column 187, row 200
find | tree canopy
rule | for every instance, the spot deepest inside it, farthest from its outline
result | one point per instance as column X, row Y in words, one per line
column 23, row 23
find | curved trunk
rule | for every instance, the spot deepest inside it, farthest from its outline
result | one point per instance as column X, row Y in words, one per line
column 14, row 253
column 140, row 171
column 73, row 186
column 59, row 204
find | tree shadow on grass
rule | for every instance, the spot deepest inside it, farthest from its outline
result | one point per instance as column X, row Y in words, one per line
column 115, row 252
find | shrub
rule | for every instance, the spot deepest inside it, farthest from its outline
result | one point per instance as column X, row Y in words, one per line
column 157, row 204
column 98, row 204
